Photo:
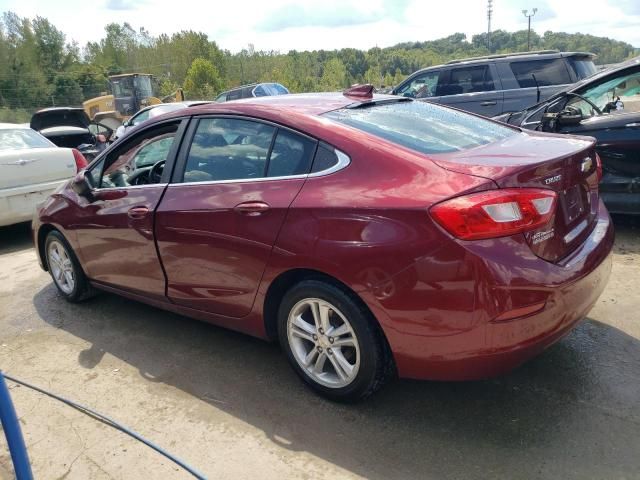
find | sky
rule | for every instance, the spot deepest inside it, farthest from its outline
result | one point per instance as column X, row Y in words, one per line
column 285, row 25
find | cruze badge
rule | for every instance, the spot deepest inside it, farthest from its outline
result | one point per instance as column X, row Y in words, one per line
column 551, row 180
column 586, row 165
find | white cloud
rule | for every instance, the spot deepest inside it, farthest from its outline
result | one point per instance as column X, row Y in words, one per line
column 330, row 24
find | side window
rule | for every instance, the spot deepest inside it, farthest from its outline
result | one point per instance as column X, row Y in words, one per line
column 617, row 94
column 131, row 164
column 468, row 80
column 259, row 91
column 291, row 155
column 548, row 72
column 325, row 158
column 221, row 98
column 422, row 86
column 228, row 149
column 247, row 92
column 234, row 94
column 95, row 174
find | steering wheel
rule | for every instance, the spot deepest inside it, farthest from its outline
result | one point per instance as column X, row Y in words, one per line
column 595, row 107
column 155, row 174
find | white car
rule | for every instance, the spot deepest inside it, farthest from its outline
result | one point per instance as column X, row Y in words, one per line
column 31, row 167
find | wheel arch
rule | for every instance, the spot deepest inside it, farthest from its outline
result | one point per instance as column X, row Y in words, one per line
column 285, row 280
column 43, row 231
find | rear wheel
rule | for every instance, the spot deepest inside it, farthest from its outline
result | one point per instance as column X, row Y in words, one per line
column 332, row 342
column 65, row 270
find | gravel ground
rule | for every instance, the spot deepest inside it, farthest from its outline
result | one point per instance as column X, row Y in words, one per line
column 230, row 406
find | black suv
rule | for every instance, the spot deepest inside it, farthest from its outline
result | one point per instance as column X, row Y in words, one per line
column 496, row 84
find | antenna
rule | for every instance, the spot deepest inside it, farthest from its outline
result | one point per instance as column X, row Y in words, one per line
column 489, row 14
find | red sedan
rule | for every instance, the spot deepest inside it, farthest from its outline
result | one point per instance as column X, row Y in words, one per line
column 371, row 235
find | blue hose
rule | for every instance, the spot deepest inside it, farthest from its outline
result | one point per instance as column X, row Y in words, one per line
column 92, row 413
column 11, row 427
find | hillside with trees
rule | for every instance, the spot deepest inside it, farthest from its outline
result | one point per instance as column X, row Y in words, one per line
column 40, row 68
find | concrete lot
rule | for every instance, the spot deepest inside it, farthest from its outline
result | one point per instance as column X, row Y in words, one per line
column 230, row 406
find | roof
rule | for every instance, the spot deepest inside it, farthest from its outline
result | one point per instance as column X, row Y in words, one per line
column 301, row 103
column 519, row 55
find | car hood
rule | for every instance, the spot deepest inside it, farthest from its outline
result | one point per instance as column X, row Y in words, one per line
column 59, row 117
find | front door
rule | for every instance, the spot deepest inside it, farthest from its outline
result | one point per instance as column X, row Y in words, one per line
column 221, row 215
column 117, row 221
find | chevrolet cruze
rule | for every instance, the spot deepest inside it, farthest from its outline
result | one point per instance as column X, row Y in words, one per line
column 371, row 235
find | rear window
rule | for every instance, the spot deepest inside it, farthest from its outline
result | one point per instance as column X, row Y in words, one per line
column 547, row 72
column 22, row 138
column 424, row 127
column 583, row 66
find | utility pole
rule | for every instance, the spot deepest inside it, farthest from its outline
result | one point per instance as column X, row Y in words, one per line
column 529, row 15
column 489, row 13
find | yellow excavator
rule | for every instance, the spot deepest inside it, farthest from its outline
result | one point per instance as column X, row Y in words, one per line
column 129, row 93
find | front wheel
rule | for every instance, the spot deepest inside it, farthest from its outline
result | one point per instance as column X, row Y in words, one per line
column 65, row 270
column 332, row 342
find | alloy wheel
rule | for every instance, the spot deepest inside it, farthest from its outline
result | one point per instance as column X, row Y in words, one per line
column 323, row 342
column 61, row 267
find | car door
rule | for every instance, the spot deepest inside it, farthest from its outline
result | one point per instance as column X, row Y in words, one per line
column 219, row 218
column 474, row 88
column 115, row 223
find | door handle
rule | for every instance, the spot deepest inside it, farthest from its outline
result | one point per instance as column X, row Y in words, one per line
column 489, row 103
column 137, row 213
column 251, row 209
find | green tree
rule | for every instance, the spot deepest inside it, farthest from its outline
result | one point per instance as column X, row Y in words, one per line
column 334, row 75
column 202, row 80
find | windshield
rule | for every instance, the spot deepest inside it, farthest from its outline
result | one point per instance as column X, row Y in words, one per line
column 268, row 89
column 143, row 86
column 122, row 87
column 21, row 139
column 424, row 127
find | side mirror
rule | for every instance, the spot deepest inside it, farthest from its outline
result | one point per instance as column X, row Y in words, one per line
column 81, row 184
column 569, row 116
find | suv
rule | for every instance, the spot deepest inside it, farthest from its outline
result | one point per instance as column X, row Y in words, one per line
column 496, row 84
column 252, row 90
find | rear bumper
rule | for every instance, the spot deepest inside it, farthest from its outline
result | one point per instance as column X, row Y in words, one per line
column 477, row 346
column 19, row 204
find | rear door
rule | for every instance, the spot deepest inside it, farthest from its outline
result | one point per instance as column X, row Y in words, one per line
column 474, row 88
column 220, row 216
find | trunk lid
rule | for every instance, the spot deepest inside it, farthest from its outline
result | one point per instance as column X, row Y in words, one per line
column 562, row 163
column 34, row 166
column 59, row 117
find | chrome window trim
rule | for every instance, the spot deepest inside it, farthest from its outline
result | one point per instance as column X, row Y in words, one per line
column 343, row 162
column 128, row 187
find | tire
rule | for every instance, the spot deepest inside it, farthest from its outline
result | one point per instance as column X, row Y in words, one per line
column 319, row 357
column 65, row 270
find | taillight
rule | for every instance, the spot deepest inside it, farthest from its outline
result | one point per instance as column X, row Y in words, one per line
column 495, row 213
column 599, row 167
column 81, row 162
